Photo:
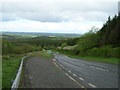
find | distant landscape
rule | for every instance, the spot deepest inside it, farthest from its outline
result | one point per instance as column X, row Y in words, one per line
column 35, row 35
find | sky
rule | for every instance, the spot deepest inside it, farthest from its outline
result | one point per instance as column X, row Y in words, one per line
column 55, row 16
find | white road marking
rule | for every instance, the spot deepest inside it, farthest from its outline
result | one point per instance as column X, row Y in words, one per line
column 74, row 75
column 99, row 68
column 67, row 74
column 30, row 77
column 81, row 79
column 92, row 85
column 54, row 59
column 55, row 64
column 69, row 71
column 75, row 81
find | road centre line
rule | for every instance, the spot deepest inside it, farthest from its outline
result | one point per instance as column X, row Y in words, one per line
column 99, row 68
column 69, row 71
column 68, row 75
column 74, row 75
column 92, row 85
column 81, row 79
column 30, row 77
column 75, row 81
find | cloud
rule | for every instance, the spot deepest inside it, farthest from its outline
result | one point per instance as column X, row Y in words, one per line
column 35, row 26
column 58, row 11
column 66, row 16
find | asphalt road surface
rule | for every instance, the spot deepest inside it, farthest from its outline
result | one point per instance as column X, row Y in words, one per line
column 88, row 73
column 45, row 73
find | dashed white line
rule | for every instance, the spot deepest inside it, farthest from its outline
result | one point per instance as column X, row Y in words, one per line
column 69, row 71
column 30, row 77
column 74, row 75
column 81, row 79
column 99, row 68
column 92, row 85
column 54, row 59
column 75, row 81
column 67, row 74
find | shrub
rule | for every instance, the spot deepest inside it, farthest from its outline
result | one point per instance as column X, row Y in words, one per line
column 114, row 52
column 103, row 51
column 92, row 52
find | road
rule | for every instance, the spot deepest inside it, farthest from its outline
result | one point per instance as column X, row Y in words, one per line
column 44, row 73
column 88, row 73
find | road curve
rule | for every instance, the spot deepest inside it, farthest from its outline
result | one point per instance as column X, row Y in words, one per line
column 88, row 73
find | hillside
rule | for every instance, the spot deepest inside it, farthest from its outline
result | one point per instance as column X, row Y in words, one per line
column 98, row 43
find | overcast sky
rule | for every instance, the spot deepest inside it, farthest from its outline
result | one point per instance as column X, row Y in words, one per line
column 55, row 16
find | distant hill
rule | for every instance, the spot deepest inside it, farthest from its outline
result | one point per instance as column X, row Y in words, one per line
column 35, row 35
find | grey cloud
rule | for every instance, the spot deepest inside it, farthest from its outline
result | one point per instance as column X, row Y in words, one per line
column 58, row 11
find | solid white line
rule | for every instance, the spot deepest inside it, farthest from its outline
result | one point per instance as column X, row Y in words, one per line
column 74, row 74
column 55, row 64
column 92, row 85
column 81, row 79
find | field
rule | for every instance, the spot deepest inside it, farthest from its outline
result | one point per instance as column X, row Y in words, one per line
column 52, row 36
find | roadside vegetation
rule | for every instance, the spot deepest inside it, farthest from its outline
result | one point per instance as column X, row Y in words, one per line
column 10, row 66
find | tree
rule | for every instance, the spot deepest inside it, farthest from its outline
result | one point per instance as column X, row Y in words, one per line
column 63, row 45
column 7, row 47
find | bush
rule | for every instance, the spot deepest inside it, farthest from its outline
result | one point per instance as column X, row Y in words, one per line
column 92, row 52
column 114, row 52
column 103, row 51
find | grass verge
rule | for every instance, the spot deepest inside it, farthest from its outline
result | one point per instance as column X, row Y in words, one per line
column 9, row 70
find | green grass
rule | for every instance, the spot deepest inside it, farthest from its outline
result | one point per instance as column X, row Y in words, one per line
column 97, row 59
column 9, row 70
column 46, row 55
